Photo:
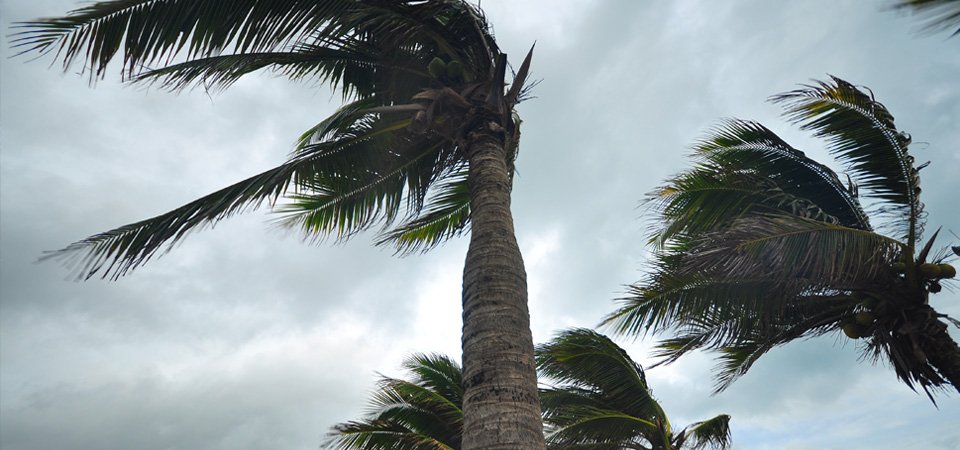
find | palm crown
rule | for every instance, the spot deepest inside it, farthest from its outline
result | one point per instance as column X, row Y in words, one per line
column 415, row 77
column 758, row 245
column 602, row 401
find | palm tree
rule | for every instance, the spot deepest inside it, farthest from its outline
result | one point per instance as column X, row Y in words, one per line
column 940, row 15
column 603, row 401
column 423, row 413
column 423, row 148
column 758, row 245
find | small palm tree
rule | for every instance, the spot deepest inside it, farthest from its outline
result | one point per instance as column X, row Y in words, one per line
column 603, row 402
column 423, row 413
column 759, row 245
column 422, row 149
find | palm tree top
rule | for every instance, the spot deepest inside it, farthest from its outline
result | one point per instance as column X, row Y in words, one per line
column 392, row 157
column 758, row 245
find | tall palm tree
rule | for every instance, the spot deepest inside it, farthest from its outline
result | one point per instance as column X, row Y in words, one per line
column 423, row 148
column 758, row 245
column 603, row 402
column 423, row 413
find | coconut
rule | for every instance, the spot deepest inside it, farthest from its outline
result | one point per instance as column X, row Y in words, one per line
column 947, row 271
column 437, row 67
column 899, row 267
column 934, row 287
column 454, row 70
column 928, row 270
column 869, row 302
column 865, row 318
column 852, row 330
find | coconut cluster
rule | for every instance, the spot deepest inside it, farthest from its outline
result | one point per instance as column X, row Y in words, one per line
column 934, row 273
column 447, row 72
column 859, row 325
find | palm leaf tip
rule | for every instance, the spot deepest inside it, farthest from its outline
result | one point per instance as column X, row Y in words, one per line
column 937, row 15
column 861, row 134
column 711, row 433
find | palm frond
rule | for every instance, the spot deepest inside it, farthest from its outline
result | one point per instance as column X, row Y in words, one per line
column 860, row 133
column 113, row 253
column 602, row 400
column 221, row 71
column 741, row 146
column 711, row 433
column 586, row 359
column 743, row 338
column 445, row 216
column 786, row 248
column 363, row 47
column 939, row 15
column 150, row 31
column 423, row 413
column 600, row 426
column 380, row 178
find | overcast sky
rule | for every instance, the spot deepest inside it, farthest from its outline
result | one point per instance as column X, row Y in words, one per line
column 245, row 337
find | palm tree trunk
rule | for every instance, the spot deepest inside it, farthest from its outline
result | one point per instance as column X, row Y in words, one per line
column 501, row 407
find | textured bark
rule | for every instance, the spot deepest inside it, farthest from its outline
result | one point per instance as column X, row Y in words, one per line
column 501, row 406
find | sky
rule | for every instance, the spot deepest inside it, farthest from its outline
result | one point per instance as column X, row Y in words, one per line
column 247, row 337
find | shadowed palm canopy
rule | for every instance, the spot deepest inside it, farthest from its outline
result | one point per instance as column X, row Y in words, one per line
column 415, row 77
column 423, row 413
column 758, row 245
column 602, row 401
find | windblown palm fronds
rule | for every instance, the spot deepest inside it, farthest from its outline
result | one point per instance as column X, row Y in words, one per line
column 392, row 157
column 602, row 401
column 423, row 413
column 758, row 245
column 938, row 15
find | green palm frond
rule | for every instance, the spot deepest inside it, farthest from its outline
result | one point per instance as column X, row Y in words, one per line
column 586, row 359
column 150, row 31
column 861, row 134
column 940, row 15
column 113, row 253
column 602, row 399
column 585, row 426
column 742, row 337
column 672, row 298
column 711, row 433
column 758, row 245
column 221, row 71
column 147, row 32
column 742, row 146
column 423, row 413
column 744, row 168
column 446, row 215
column 788, row 248
column 382, row 176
